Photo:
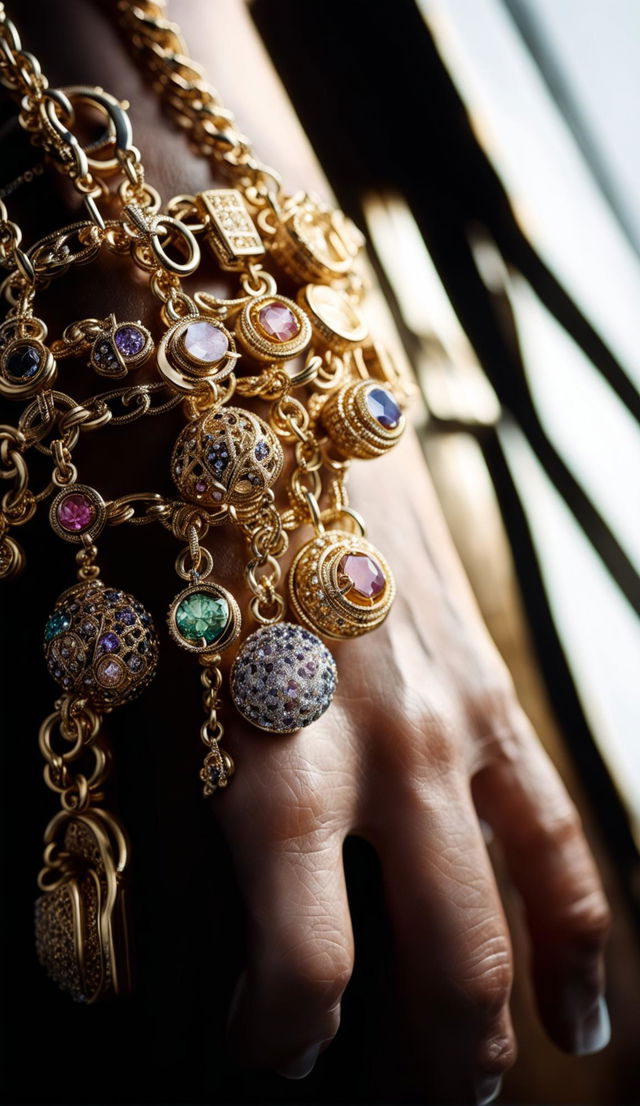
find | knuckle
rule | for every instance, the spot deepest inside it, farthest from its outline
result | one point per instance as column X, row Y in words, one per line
column 488, row 988
column 498, row 1054
column 316, row 976
column 585, row 922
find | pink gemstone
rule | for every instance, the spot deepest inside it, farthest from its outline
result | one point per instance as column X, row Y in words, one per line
column 205, row 342
column 365, row 574
column 200, row 487
column 278, row 321
column 76, row 512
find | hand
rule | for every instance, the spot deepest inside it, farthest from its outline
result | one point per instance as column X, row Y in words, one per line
column 425, row 736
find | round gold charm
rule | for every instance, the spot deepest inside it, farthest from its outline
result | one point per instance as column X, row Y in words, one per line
column 335, row 320
column 101, row 643
column 315, row 242
column 273, row 328
column 78, row 512
column 226, row 457
column 204, row 618
column 340, row 585
column 26, row 368
column 363, row 420
column 196, row 351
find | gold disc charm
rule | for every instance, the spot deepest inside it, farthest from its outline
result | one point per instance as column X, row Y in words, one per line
column 226, row 457
column 194, row 352
column 273, row 328
column 315, row 242
column 340, row 585
column 335, row 320
column 363, row 420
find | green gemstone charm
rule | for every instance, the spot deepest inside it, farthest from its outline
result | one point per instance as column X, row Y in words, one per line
column 201, row 617
column 204, row 618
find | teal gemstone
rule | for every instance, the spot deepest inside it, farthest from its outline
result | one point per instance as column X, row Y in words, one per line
column 57, row 624
column 200, row 615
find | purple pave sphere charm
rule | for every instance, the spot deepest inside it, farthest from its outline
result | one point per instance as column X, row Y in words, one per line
column 283, row 678
column 101, row 643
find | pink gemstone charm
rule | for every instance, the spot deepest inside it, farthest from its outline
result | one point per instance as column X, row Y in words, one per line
column 366, row 576
column 205, row 342
column 278, row 322
column 76, row 513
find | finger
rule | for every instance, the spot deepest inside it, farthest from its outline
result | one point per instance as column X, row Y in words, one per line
column 522, row 797
column 288, row 855
column 453, row 948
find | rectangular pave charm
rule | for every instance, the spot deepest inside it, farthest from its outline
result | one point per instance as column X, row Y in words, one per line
column 231, row 232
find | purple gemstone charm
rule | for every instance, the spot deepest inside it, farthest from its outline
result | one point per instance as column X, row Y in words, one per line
column 130, row 340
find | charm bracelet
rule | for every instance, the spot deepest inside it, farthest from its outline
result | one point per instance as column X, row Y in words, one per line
column 329, row 393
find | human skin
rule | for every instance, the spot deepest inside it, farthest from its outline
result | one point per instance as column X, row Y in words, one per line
column 425, row 736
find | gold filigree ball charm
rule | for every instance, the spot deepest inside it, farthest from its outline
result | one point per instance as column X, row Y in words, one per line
column 340, row 585
column 196, row 351
column 273, row 328
column 363, row 419
column 283, row 678
column 226, row 457
column 101, row 643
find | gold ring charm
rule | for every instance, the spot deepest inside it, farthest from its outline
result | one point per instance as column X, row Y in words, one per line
column 226, row 457
column 283, row 678
column 340, row 585
column 335, row 319
column 26, row 367
column 78, row 513
column 120, row 347
column 273, row 328
column 204, row 618
column 363, row 420
column 194, row 352
column 315, row 242
column 100, row 643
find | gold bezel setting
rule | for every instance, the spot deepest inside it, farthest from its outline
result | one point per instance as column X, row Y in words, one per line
column 230, row 631
column 258, row 343
column 324, row 600
column 352, row 427
column 13, row 387
column 106, row 357
column 90, row 500
column 182, row 369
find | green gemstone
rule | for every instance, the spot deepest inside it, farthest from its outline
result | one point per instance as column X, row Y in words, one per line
column 57, row 624
column 200, row 615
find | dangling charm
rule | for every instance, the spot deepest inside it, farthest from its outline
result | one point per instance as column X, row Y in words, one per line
column 27, row 366
column 196, row 351
column 340, row 585
column 101, row 647
column 205, row 619
column 363, row 419
column 226, row 457
column 119, row 347
column 283, row 678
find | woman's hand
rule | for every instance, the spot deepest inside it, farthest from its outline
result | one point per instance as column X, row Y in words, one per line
column 424, row 738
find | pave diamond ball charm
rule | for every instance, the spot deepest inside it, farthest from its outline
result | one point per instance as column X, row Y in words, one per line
column 283, row 678
column 226, row 457
column 101, row 643
column 363, row 420
column 340, row 585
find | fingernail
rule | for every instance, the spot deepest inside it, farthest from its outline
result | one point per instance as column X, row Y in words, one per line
column 300, row 1067
column 593, row 1032
column 488, row 1088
